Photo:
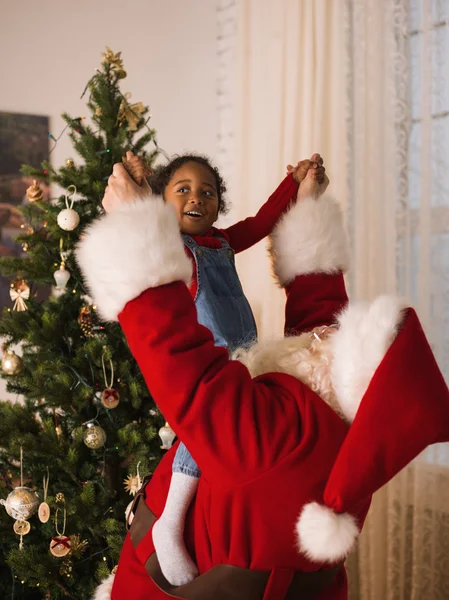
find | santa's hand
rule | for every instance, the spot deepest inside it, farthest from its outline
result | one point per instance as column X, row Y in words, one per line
column 311, row 186
column 121, row 189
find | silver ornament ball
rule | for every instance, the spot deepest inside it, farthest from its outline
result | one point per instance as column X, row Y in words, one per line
column 21, row 504
column 68, row 219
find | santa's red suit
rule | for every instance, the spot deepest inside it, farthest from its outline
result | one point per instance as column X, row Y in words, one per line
column 286, row 483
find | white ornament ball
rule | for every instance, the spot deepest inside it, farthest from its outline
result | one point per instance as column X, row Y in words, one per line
column 94, row 437
column 21, row 504
column 68, row 219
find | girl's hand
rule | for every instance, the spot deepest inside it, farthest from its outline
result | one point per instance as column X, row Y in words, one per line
column 121, row 189
column 301, row 169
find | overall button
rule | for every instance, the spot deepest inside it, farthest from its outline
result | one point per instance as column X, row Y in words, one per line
column 199, row 252
column 230, row 253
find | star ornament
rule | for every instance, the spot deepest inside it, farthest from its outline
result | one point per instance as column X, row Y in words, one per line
column 113, row 59
column 132, row 484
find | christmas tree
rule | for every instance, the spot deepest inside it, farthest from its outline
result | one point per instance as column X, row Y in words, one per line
column 85, row 421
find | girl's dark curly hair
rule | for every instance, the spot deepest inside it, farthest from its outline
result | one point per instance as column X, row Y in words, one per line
column 163, row 174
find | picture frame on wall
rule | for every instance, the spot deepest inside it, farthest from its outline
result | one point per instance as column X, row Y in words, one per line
column 23, row 140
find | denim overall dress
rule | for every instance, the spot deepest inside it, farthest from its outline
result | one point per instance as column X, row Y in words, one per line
column 223, row 308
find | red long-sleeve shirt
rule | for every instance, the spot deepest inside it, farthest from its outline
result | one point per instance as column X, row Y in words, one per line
column 244, row 234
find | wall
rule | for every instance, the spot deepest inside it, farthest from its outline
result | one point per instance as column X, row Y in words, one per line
column 49, row 49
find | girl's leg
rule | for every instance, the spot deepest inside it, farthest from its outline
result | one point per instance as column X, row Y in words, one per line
column 168, row 532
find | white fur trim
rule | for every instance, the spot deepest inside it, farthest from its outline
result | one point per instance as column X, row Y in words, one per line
column 136, row 247
column 324, row 535
column 309, row 238
column 103, row 591
column 306, row 358
column 367, row 330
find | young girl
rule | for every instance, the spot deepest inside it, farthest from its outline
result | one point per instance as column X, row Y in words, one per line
column 195, row 188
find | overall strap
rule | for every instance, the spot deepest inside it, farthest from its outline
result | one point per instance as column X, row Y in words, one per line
column 224, row 241
column 189, row 241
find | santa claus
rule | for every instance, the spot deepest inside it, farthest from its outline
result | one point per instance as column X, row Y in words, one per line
column 292, row 436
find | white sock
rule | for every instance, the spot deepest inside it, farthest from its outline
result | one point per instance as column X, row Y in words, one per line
column 168, row 531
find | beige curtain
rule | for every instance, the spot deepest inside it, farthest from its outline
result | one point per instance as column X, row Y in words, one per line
column 281, row 98
column 399, row 224
column 364, row 82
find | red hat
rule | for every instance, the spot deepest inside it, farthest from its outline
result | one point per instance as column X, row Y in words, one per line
column 398, row 404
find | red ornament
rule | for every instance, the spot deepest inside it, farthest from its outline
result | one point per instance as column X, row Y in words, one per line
column 110, row 398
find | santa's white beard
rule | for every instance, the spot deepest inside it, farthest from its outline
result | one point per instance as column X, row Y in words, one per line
column 303, row 356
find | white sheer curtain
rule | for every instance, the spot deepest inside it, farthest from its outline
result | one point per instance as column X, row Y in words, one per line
column 366, row 83
column 399, row 223
column 281, row 98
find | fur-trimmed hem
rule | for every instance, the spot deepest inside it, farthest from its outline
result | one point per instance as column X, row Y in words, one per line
column 367, row 330
column 309, row 238
column 104, row 590
column 324, row 535
column 136, row 247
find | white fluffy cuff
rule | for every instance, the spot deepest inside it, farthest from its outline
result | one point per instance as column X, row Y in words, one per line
column 104, row 590
column 309, row 238
column 367, row 330
column 136, row 247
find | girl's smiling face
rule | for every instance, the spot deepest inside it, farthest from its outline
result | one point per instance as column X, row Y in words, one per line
column 192, row 191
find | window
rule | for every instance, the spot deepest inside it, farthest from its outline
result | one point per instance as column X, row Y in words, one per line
column 423, row 248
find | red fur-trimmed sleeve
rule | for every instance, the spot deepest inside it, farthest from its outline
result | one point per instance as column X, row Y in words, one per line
column 246, row 233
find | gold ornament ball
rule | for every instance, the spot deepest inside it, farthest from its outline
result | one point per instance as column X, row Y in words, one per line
column 11, row 363
column 121, row 74
column 99, row 112
column 70, row 163
column 94, row 437
column 21, row 504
